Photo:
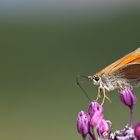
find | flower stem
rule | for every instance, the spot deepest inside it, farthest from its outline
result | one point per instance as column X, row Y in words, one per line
column 91, row 135
column 84, row 137
column 131, row 116
column 94, row 133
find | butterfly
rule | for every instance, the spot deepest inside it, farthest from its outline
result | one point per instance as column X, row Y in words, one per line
column 123, row 73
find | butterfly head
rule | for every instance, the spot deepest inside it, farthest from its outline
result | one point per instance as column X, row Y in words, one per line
column 95, row 79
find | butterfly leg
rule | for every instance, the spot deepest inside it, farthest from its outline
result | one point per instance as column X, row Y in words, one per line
column 119, row 84
column 104, row 95
column 101, row 93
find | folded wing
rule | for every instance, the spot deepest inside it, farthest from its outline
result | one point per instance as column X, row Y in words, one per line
column 131, row 58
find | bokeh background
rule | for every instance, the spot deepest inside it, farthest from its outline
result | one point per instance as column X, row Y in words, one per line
column 44, row 45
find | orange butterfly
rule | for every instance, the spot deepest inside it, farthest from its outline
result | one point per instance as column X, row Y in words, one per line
column 121, row 74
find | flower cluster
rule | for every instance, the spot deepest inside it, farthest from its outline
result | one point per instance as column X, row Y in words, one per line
column 92, row 124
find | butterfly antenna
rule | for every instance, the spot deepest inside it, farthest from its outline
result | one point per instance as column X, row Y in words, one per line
column 79, row 84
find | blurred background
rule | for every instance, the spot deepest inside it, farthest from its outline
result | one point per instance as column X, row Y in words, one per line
column 44, row 45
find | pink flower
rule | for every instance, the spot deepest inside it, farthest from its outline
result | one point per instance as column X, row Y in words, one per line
column 128, row 97
column 83, row 123
column 96, row 119
column 137, row 130
column 95, row 107
column 103, row 127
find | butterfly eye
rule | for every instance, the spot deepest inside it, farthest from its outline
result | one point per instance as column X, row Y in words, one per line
column 96, row 78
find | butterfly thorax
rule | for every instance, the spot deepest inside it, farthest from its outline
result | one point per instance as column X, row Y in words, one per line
column 110, row 83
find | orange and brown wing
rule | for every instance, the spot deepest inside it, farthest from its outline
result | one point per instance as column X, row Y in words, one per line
column 130, row 71
column 133, row 57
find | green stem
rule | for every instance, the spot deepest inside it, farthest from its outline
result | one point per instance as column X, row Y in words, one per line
column 131, row 116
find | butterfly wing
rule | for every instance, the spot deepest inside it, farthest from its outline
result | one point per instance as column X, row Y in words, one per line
column 130, row 73
column 133, row 57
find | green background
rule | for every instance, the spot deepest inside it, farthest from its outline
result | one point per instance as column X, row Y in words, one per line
column 39, row 60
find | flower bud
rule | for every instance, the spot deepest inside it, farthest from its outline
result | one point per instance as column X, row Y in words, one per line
column 128, row 97
column 103, row 127
column 83, row 123
column 137, row 130
column 95, row 107
column 96, row 119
